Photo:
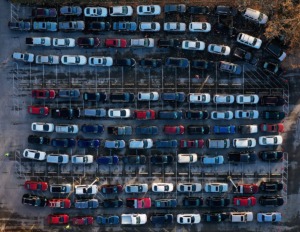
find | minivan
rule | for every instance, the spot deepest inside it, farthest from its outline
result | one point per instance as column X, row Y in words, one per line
column 255, row 15
column 97, row 113
column 170, row 114
column 218, row 143
column 178, row 96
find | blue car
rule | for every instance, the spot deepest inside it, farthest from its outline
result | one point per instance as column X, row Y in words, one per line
column 108, row 220
column 161, row 218
column 63, row 142
column 92, row 128
column 224, row 129
column 146, row 130
column 165, row 203
column 88, row 143
column 108, row 160
column 166, row 143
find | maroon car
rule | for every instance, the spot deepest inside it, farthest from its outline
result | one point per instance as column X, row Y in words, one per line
column 111, row 188
column 174, row 130
column 83, row 220
column 88, row 42
column 43, row 93
column 197, row 143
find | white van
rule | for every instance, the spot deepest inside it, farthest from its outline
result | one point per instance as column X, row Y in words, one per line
column 241, row 217
column 255, row 15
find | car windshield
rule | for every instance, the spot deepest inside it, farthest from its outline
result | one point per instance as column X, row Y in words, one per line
column 275, row 140
column 77, row 59
column 124, row 9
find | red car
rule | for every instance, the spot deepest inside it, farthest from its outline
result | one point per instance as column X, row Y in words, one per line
column 144, row 114
column 60, row 203
column 244, row 201
column 138, row 203
column 84, row 220
column 265, row 127
column 247, row 188
column 39, row 110
column 36, row 185
column 56, row 219
column 116, row 43
column 174, row 130
column 110, row 188
column 198, row 143
column 43, row 93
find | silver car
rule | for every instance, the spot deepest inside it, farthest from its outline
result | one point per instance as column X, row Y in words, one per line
column 116, row 144
column 50, row 59
column 58, row 158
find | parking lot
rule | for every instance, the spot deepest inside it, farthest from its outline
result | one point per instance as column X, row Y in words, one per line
column 254, row 80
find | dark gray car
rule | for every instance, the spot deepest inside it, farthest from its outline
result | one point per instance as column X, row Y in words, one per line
column 71, row 10
column 178, row 96
column 71, row 93
column 71, row 26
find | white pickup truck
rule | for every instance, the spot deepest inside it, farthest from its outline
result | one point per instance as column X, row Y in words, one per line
column 145, row 43
column 38, row 41
column 133, row 219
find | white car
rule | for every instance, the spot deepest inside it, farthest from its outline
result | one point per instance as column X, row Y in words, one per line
column 217, row 115
column 249, row 40
column 199, row 27
column 50, row 59
column 193, row 45
column 269, row 217
column 34, row 154
column 188, row 218
column 140, row 143
column 86, row 189
column 58, row 158
column 241, row 217
column 119, row 113
column 63, row 42
column 187, row 158
column 189, row 187
column 174, row 26
column 119, row 11
column 162, row 187
column 73, row 60
column 95, row 12
column 42, row 127
column 136, row 188
column 270, row 140
column 100, row 61
column 246, row 114
column 148, row 96
column 148, row 10
column 82, row 159
column 218, row 49
column 25, row 57
column 247, row 99
column 67, row 128
column 223, row 99
column 255, row 16
column 216, row 187
column 244, row 142
column 38, row 41
column 149, row 26
column 199, row 98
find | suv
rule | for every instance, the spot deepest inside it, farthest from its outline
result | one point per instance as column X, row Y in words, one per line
column 243, row 156
column 196, row 114
column 166, row 143
column 71, row 26
column 161, row 219
column 178, row 96
column 218, row 143
column 270, row 186
column 230, row 67
column 196, row 10
column 60, row 188
column 275, row 51
column 121, row 97
column 170, row 114
column 134, row 159
column 174, row 8
column 67, row 113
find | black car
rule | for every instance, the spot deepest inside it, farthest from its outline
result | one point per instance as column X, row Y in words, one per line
column 161, row 159
column 198, row 129
column 34, row 200
column 170, row 114
column 35, row 139
column 196, row 114
column 244, row 156
column 154, row 63
column 68, row 113
column 92, row 128
column 112, row 203
column 88, row 42
column 19, row 26
column 271, row 200
column 169, row 43
column 202, row 64
column 271, row 101
column 121, row 97
column 225, row 10
column 198, row 10
column 134, row 159
column 174, row 8
column 270, row 186
column 101, row 96
column 217, row 201
column 192, row 201
column 275, row 50
column 63, row 142
column 271, row 67
column 213, row 217
column 98, row 26
column 222, row 29
column 88, row 143
column 177, row 62
column 273, row 115
column 272, row 156
column 130, row 62
column 161, row 218
column 146, row 130
column 245, row 55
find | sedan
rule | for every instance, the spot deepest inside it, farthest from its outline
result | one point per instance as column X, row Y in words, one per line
column 58, row 158
column 119, row 113
column 244, row 142
column 223, row 99
column 188, row 218
column 116, row 43
column 82, row 159
column 58, row 219
column 216, row 187
column 88, row 42
column 83, row 220
column 219, row 115
column 154, row 63
column 138, row 203
column 34, row 200
column 146, row 130
column 187, row 158
column 269, row 217
column 162, row 187
column 114, row 144
column 192, row 201
column 63, row 42
column 69, row 93
column 88, row 143
column 197, row 143
column 97, row 26
column 173, row 130
column 43, row 93
column 73, row 60
column 34, row 154
column 38, row 110
column 161, row 159
column 165, row 203
column 149, row 26
column 50, row 59
column 276, row 128
column 134, row 159
column 119, row 11
column 218, row 49
column 100, row 61
column 271, row 200
column 95, row 12
column 71, row 10
column 189, row 187
column 144, row 114
column 25, row 57
column 108, row 160
column 98, row 96
column 244, row 201
column 196, row 114
column 174, row 27
column 273, row 115
column 247, row 99
column 217, row 201
column 270, row 140
column 193, row 45
column 214, row 217
column 42, row 127
column 272, row 101
column 110, row 188
column 148, row 10
column 247, row 188
column 136, row 188
column 92, row 128
column 198, row 98
column 108, row 220
column 270, row 156
column 60, row 203
column 270, row 186
column 177, row 62
column 246, row 114
column 199, row 27
column 36, row 185
column 148, row 96
column 112, row 203
column 63, row 142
